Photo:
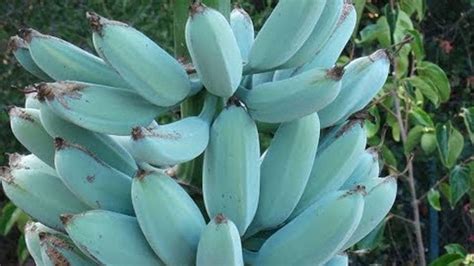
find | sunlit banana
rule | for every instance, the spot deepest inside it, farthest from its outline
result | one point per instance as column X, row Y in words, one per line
column 29, row 162
column 381, row 194
column 31, row 101
column 58, row 249
column 293, row 98
column 111, row 238
column 149, row 69
column 244, row 33
column 26, row 126
column 333, row 165
column 317, row 234
column 363, row 78
column 92, row 180
column 32, row 240
column 220, row 244
column 22, row 54
column 101, row 145
column 214, row 50
column 62, row 60
column 285, row 170
column 338, row 260
column 231, row 175
column 326, row 24
column 174, row 143
column 42, row 196
column 98, row 108
column 168, row 217
column 283, row 34
column 367, row 168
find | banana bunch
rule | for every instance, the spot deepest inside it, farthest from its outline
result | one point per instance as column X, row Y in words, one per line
column 102, row 181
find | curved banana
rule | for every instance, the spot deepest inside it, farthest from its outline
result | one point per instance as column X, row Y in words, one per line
column 174, row 143
column 325, row 26
column 317, row 234
column 149, row 69
column 283, row 34
column 32, row 240
column 103, row 146
column 220, row 244
column 231, row 173
column 44, row 197
column 62, row 60
column 83, row 104
column 293, row 98
column 28, row 130
column 244, row 33
column 92, row 180
column 283, row 74
column 338, row 260
column 214, row 50
column 362, row 80
column 284, row 171
column 58, row 249
column 333, row 165
column 261, row 78
column 169, row 219
column 31, row 101
column 111, row 238
column 22, row 54
column 381, row 194
column 332, row 49
column 30, row 162
column 367, row 168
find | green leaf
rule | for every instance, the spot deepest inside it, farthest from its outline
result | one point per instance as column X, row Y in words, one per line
column 421, row 117
column 413, row 138
column 455, row 248
column 432, row 72
column 428, row 142
column 446, row 191
column 434, row 199
column 372, row 128
column 373, row 239
column 468, row 115
column 379, row 31
column 448, row 259
column 21, row 250
column 426, row 88
column 10, row 214
column 402, row 26
column 450, row 144
column 389, row 158
column 359, row 7
column 417, row 45
column 459, row 180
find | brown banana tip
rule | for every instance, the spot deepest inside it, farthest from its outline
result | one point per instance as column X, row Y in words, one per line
column 140, row 175
column 66, row 218
column 336, row 73
column 94, row 21
column 137, row 133
column 196, row 8
column 44, row 91
column 6, row 175
column 59, row 143
column 220, row 219
column 234, row 100
column 15, row 43
column 27, row 34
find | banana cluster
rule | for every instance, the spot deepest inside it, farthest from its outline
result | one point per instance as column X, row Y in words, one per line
column 101, row 183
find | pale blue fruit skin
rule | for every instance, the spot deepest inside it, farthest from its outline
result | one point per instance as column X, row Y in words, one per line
column 338, row 260
column 31, row 162
column 32, row 229
column 111, row 238
column 23, row 56
column 220, row 244
column 244, row 33
column 367, row 168
column 303, row 242
column 231, row 175
column 31, row 102
column 170, row 220
column 261, row 78
column 142, row 63
column 58, row 248
column 214, row 51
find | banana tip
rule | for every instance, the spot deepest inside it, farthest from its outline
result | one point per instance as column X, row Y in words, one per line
column 137, row 133
column 196, row 8
column 140, row 175
column 27, row 34
column 15, row 43
column 14, row 111
column 220, row 219
column 66, row 218
column 59, row 143
column 336, row 73
column 94, row 21
column 6, row 175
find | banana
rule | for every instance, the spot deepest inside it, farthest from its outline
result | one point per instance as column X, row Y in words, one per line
column 261, row 78
column 62, row 60
column 367, row 168
column 283, row 34
column 170, row 220
column 30, row 162
column 338, row 260
column 32, row 240
column 22, row 54
column 28, row 130
column 101, row 145
column 111, row 238
column 362, row 80
column 214, row 50
column 283, row 74
column 92, row 180
column 42, row 196
column 285, row 170
column 293, row 98
column 333, row 165
column 174, row 143
column 83, row 104
column 31, row 101
column 58, row 249
column 220, row 244
column 317, row 234
column 381, row 194
column 333, row 47
column 244, row 33
column 325, row 25
column 231, row 174
column 149, row 69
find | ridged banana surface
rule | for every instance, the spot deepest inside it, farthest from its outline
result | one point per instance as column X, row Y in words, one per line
column 58, row 249
column 168, row 217
column 111, row 238
column 231, row 172
column 367, row 168
column 149, row 69
column 220, row 244
column 244, row 33
column 214, row 50
column 32, row 240
column 20, row 50
column 30, row 162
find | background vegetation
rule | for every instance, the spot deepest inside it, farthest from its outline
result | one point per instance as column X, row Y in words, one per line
column 421, row 121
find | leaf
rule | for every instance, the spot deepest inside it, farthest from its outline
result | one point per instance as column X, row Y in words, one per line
column 459, row 180
column 468, row 115
column 447, row 259
column 413, row 138
column 359, row 7
column 389, row 158
column 372, row 128
column 21, row 250
column 428, row 142
column 421, row 117
column 455, row 248
column 379, row 31
column 434, row 199
column 417, row 45
column 402, row 26
column 446, row 191
column 10, row 214
column 432, row 72
column 426, row 88
column 373, row 239
column 450, row 144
